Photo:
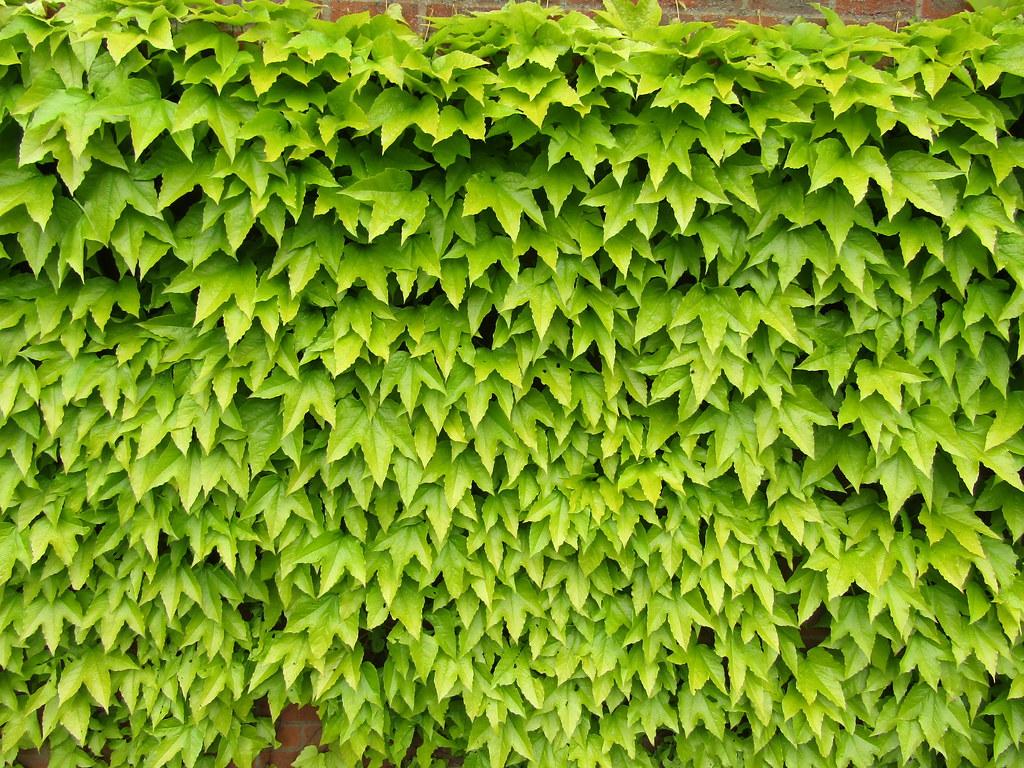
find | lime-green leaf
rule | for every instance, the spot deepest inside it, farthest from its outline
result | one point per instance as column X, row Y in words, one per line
column 507, row 195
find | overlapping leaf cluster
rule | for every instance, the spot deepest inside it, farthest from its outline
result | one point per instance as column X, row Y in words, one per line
column 556, row 391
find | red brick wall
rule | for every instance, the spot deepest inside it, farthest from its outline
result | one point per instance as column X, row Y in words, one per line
column 297, row 728
column 888, row 12
column 33, row 758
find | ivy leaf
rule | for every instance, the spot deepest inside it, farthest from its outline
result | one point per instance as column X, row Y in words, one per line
column 832, row 161
column 148, row 114
column 393, row 111
column 377, row 447
column 106, row 194
column 96, row 676
column 202, row 104
column 917, row 178
column 391, row 199
column 76, row 111
column 631, row 17
column 20, row 186
column 1008, row 422
column 899, row 480
column 407, row 607
column 508, row 195
column 888, row 379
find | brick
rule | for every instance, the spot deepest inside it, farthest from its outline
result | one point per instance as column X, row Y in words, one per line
column 588, row 7
column 889, row 12
column 782, row 9
column 765, row 12
column 705, row 8
column 284, row 758
column 412, row 13
column 312, row 733
column 886, row 12
column 34, row 758
column 296, row 714
column 764, row 21
column 441, row 10
column 938, row 9
column 291, row 735
column 338, row 8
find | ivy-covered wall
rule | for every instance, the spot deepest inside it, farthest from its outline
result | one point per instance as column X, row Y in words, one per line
column 891, row 13
column 555, row 391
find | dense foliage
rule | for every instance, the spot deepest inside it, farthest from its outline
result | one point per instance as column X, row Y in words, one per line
column 556, row 390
